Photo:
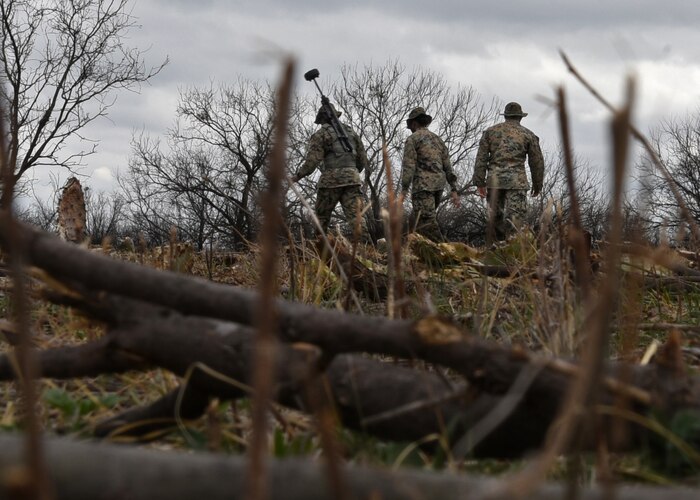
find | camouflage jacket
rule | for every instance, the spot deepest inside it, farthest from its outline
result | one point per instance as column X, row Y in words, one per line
column 338, row 167
column 502, row 152
column 426, row 163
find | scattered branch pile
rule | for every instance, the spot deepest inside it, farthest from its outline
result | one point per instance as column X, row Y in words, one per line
column 201, row 331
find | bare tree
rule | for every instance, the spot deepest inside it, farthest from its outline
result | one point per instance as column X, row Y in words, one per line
column 677, row 143
column 592, row 198
column 207, row 178
column 376, row 100
column 165, row 190
column 62, row 62
column 104, row 215
column 42, row 211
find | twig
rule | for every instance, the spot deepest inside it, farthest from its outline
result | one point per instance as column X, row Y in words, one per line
column 411, row 407
column 647, row 146
column 583, row 393
column 394, row 236
column 499, row 413
column 37, row 481
column 583, row 269
column 669, row 326
column 266, row 321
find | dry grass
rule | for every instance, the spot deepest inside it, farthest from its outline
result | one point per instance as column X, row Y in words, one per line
column 536, row 305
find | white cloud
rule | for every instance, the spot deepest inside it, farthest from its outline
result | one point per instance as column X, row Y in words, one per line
column 102, row 174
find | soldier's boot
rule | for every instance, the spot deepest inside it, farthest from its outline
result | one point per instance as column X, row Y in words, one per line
column 430, row 230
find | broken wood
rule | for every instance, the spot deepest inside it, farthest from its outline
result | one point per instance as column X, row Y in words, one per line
column 214, row 358
column 71, row 212
column 88, row 471
column 490, row 368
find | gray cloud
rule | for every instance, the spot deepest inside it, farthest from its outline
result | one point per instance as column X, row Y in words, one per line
column 506, row 14
column 507, row 50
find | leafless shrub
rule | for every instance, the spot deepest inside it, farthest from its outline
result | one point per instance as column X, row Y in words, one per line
column 62, row 66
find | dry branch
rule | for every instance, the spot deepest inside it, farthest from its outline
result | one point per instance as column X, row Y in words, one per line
column 176, row 324
column 488, row 366
column 221, row 355
column 485, row 364
column 215, row 358
column 88, row 471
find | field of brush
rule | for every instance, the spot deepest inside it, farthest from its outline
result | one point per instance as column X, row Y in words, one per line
column 520, row 293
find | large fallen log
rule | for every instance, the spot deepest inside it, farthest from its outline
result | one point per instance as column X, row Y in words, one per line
column 489, row 368
column 90, row 471
column 486, row 365
column 380, row 398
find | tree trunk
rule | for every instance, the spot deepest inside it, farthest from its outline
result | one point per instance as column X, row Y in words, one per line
column 89, row 471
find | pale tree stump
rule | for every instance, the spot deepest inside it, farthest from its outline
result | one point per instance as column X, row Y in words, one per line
column 71, row 212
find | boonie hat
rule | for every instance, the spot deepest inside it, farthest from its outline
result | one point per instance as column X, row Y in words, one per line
column 419, row 111
column 513, row 109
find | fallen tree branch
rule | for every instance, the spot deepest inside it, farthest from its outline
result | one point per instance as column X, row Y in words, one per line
column 86, row 471
column 215, row 358
column 362, row 388
column 88, row 360
column 488, row 366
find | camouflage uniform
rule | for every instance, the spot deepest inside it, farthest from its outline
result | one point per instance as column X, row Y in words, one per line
column 426, row 168
column 502, row 152
column 340, row 178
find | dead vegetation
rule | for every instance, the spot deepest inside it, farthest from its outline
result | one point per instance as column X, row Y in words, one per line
column 535, row 355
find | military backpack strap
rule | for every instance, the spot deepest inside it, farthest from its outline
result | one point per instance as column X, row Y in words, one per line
column 338, row 156
column 343, row 139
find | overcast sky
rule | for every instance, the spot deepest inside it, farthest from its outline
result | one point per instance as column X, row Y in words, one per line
column 508, row 50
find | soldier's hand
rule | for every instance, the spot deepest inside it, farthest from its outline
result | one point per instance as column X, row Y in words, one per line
column 534, row 192
column 482, row 191
column 455, row 199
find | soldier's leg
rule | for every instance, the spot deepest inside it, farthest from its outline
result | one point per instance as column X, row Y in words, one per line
column 424, row 208
column 353, row 204
column 497, row 224
column 515, row 208
column 437, row 195
column 326, row 200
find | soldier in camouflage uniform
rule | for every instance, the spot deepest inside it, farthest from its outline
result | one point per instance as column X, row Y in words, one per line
column 340, row 172
column 426, row 168
column 502, row 152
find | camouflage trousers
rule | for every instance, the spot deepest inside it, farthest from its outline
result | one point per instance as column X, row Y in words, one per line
column 350, row 198
column 424, row 217
column 507, row 211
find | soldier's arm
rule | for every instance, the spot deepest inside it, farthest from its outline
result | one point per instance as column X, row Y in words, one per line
column 535, row 160
column 481, row 163
column 447, row 167
column 314, row 156
column 408, row 165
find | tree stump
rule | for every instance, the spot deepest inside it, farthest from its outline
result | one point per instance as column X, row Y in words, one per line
column 71, row 212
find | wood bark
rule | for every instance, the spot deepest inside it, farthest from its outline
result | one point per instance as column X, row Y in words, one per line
column 361, row 388
column 175, row 321
column 486, row 365
column 100, row 471
column 381, row 398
